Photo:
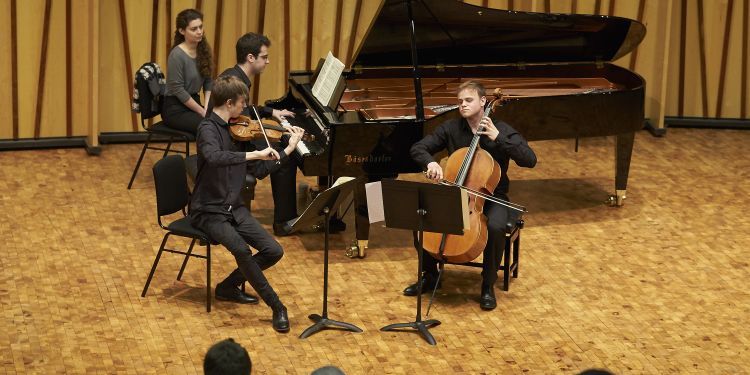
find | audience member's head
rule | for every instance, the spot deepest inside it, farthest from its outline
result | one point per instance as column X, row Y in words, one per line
column 328, row 370
column 227, row 357
column 595, row 371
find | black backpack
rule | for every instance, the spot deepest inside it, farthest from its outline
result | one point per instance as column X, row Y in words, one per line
column 149, row 87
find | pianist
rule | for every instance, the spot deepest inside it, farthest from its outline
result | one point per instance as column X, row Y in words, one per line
column 252, row 57
column 504, row 144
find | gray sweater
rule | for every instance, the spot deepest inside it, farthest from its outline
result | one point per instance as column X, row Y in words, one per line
column 183, row 77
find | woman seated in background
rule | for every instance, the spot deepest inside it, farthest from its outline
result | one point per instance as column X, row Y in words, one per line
column 189, row 69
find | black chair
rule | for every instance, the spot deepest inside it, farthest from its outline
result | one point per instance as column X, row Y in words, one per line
column 161, row 130
column 172, row 195
column 510, row 253
column 148, row 91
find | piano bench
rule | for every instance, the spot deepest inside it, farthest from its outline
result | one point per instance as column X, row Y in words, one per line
column 248, row 191
column 509, row 264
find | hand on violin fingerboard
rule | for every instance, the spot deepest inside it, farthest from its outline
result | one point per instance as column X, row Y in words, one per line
column 296, row 134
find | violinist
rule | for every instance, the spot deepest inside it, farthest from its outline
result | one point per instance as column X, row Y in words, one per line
column 217, row 209
column 503, row 143
column 252, row 58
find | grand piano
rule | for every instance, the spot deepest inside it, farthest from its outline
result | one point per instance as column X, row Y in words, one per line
column 554, row 72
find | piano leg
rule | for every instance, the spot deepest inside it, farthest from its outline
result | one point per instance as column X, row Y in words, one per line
column 623, row 153
column 361, row 216
column 361, row 221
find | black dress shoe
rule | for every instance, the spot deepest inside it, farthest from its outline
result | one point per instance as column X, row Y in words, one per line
column 334, row 226
column 233, row 294
column 282, row 229
column 429, row 283
column 487, row 299
column 280, row 320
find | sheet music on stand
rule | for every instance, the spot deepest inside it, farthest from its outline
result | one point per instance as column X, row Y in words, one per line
column 305, row 213
column 328, row 79
column 376, row 210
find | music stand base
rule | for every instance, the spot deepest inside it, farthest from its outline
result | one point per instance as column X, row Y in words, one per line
column 323, row 323
column 421, row 326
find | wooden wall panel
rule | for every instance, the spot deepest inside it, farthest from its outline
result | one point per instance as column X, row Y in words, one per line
column 231, row 29
column 53, row 106
column 81, row 74
column 114, row 106
column 94, row 99
column 272, row 82
column 299, row 35
column 323, row 31
column 700, row 88
column 730, row 104
column 29, row 51
column 6, row 91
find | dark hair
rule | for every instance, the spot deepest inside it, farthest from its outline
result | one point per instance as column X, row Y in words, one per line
column 250, row 43
column 328, row 370
column 472, row 85
column 204, row 59
column 228, row 88
column 228, row 358
column 595, row 371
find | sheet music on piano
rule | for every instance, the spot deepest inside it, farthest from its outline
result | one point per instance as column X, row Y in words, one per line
column 328, row 79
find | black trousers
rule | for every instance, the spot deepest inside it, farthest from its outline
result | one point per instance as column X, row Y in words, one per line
column 497, row 219
column 236, row 230
column 283, row 185
column 178, row 116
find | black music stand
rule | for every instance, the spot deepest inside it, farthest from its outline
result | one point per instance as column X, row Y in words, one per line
column 421, row 207
column 324, row 203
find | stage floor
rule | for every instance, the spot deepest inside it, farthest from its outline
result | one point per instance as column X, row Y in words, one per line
column 655, row 286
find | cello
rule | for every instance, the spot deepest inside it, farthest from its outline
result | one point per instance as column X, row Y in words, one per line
column 474, row 170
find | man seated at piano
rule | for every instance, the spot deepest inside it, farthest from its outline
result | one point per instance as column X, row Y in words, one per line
column 503, row 143
column 252, row 57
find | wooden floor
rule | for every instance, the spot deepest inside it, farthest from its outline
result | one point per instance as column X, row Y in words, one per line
column 656, row 286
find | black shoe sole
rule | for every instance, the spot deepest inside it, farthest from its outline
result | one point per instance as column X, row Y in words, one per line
column 285, row 330
column 485, row 305
column 281, row 231
column 487, row 308
column 220, row 298
column 424, row 291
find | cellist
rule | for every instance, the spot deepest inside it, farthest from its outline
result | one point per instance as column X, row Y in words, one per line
column 503, row 143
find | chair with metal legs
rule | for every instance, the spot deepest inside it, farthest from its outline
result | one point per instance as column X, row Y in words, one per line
column 172, row 196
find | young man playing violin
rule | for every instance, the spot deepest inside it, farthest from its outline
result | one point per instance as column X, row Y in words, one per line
column 217, row 209
column 252, row 58
column 503, row 143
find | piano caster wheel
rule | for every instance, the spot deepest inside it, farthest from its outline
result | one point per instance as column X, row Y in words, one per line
column 355, row 250
column 618, row 199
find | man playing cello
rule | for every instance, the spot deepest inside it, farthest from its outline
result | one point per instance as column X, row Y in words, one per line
column 503, row 143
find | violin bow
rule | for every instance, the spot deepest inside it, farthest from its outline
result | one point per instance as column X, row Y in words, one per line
column 263, row 130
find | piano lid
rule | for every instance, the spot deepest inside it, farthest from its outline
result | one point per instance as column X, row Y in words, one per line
column 450, row 32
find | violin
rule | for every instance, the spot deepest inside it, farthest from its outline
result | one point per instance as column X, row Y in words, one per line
column 473, row 169
column 243, row 128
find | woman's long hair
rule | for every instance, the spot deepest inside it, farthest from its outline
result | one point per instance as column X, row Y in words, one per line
column 203, row 59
